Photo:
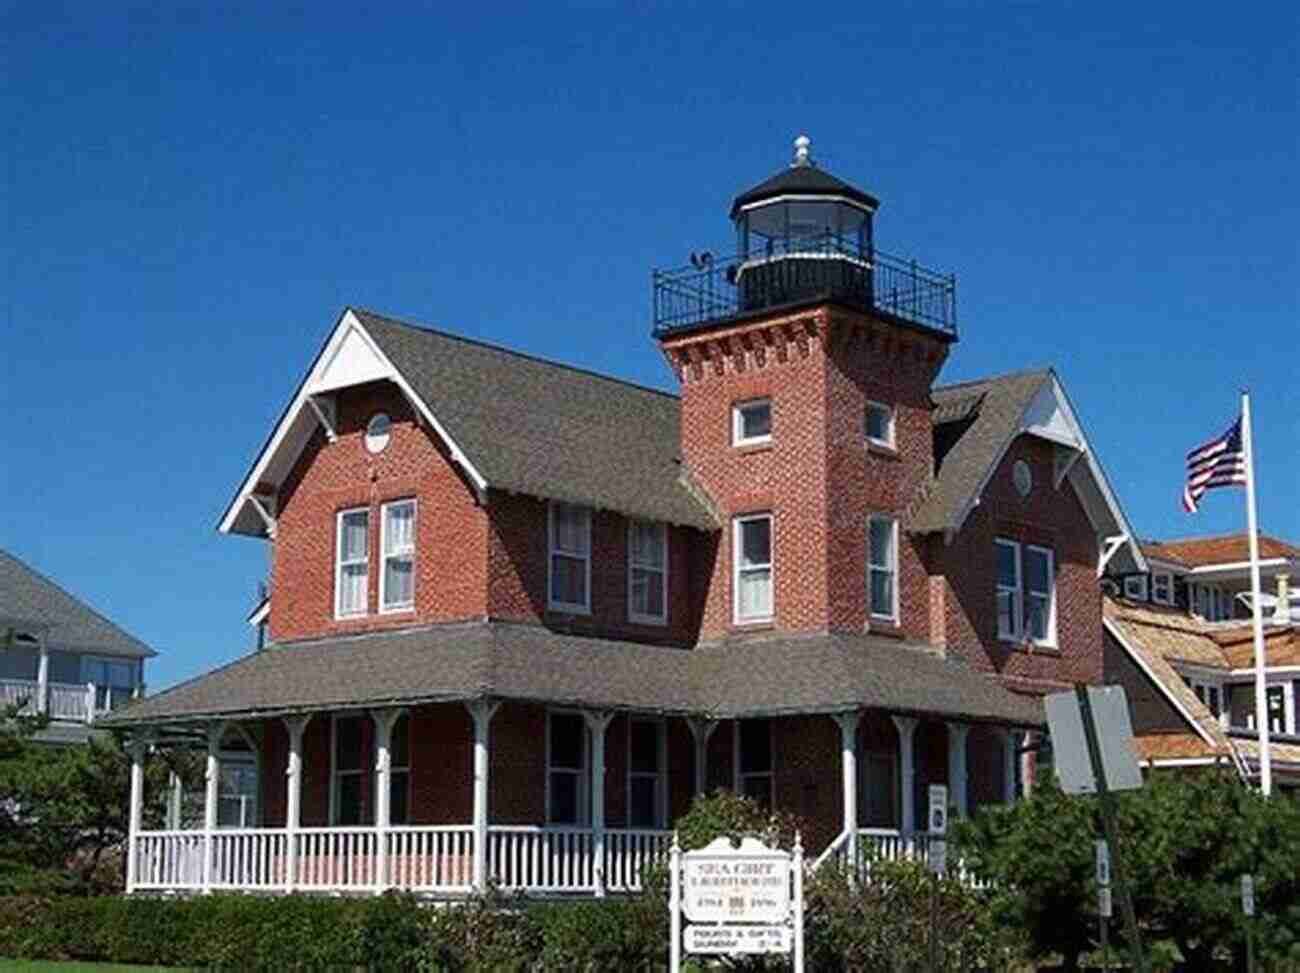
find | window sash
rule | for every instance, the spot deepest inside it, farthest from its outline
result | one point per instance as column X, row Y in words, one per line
column 753, row 577
column 1040, row 603
column 348, row 803
column 657, row 778
column 352, row 563
column 647, row 571
column 1162, row 588
column 740, row 416
column 569, row 584
column 397, row 577
column 568, row 788
column 885, row 413
column 1009, row 596
column 882, row 572
column 1135, row 587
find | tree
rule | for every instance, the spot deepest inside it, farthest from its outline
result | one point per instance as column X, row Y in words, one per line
column 1186, row 840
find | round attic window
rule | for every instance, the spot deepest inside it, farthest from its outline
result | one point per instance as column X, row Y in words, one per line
column 1022, row 477
column 377, row 432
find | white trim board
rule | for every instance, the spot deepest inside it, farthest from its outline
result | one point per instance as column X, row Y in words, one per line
column 349, row 357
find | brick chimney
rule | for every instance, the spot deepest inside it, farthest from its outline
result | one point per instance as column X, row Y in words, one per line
column 1282, row 611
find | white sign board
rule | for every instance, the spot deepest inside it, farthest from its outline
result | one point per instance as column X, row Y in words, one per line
column 729, row 940
column 938, row 819
column 1103, row 862
column 1248, row 895
column 1110, row 715
column 725, row 884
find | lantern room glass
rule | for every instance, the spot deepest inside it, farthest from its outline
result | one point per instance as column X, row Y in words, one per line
column 801, row 225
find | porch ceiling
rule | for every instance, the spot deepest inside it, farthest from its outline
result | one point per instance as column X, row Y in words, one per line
column 772, row 676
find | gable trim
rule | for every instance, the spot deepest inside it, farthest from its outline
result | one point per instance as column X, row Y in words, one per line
column 348, row 324
column 1182, row 710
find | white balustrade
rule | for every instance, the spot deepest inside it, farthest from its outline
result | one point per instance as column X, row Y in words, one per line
column 67, row 702
column 629, row 853
column 252, row 858
column 337, row 859
column 541, row 859
column 16, row 691
column 431, row 859
column 169, row 860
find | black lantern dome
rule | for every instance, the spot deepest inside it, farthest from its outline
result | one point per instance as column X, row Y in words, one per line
column 803, row 234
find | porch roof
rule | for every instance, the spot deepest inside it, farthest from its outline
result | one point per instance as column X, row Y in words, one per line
column 771, row 676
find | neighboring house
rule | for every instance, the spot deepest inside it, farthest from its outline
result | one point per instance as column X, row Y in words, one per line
column 521, row 612
column 62, row 657
column 1180, row 639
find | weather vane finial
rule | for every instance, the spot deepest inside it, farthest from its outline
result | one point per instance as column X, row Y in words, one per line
column 801, row 146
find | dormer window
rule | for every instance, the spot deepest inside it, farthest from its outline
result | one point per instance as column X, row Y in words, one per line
column 751, row 422
column 570, row 558
column 352, row 563
column 1135, row 587
column 1162, row 588
column 880, row 424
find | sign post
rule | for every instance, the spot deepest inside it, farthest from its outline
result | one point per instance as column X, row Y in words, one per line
column 736, row 901
column 1248, row 910
column 938, row 859
column 1103, row 900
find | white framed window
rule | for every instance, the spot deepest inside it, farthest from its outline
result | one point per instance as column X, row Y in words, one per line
column 114, row 679
column 882, row 561
column 1008, row 588
column 397, row 573
column 352, row 563
column 647, row 773
column 1135, row 587
column 647, row 572
column 1026, row 593
column 751, row 422
column 570, row 558
column 568, row 777
column 752, row 554
column 1162, row 588
column 351, row 760
column 880, row 424
column 754, row 775
column 237, row 790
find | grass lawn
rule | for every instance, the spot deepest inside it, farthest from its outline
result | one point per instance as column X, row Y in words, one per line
column 43, row 966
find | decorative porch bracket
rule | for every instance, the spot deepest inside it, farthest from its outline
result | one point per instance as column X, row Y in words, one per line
column 261, row 505
column 384, row 720
column 1108, row 548
column 597, row 724
column 297, row 727
column 907, row 772
column 848, row 724
column 701, row 730
column 215, row 731
column 324, row 409
column 481, row 711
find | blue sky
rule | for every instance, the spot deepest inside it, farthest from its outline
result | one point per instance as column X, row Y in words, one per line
column 190, row 195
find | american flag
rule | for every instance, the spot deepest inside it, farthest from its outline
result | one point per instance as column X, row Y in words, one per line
column 1220, row 462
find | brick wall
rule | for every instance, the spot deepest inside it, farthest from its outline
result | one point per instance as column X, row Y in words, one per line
column 329, row 477
column 968, row 566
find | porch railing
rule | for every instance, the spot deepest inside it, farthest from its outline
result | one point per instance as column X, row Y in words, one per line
column 887, row 844
column 435, row 859
column 66, row 701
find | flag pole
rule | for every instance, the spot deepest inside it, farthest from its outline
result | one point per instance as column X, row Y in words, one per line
column 1261, row 697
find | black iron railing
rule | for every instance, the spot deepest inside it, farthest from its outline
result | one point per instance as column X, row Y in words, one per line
column 800, row 271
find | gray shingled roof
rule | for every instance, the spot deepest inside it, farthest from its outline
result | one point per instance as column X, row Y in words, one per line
column 799, row 180
column 28, row 597
column 548, row 430
column 991, row 410
column 528, row 662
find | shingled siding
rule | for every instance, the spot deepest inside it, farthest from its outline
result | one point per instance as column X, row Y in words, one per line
column 1047, row 517
column 518, row 573
column 451, row 542
column 1150, row 707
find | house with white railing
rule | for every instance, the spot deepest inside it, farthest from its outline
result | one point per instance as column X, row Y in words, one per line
column 521, row 613
column 59, row 656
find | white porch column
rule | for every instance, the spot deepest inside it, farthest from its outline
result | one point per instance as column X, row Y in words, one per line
column 1010, row 746
column 598, row 723
column 42, row 676
column 957, row 777
column 907, row 771
column 384, row 720
column 210, row 796
column 175, row 801
column 701, row 730
column 297, row 726
column 137, row 748
column 848, row 724
column 1027, row 763
column 481, row 710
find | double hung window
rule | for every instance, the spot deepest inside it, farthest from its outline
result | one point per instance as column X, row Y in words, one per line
column 882, row 559
column 880, row 424
column 751, row 422
column 397, row 578
column 753, row 568
column 570, row 558
column 647, row 779
column 351, row 765
column 647, row 568
column 566, row 767
column 352, row 563
column 754, row 760
column 1026, row 593
column 1162, row 588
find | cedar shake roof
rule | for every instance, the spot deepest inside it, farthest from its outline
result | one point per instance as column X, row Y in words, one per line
column 1180, row 637
column 528, row 662
column 28, row 598
column 973, row 423
column 549, row 430
column 1173, row 746
column 1195, row 552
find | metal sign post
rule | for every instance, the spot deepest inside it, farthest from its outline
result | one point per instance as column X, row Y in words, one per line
column 1103, row 900
column 1110, row 826
column 938, row 859
column 1248, row 910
